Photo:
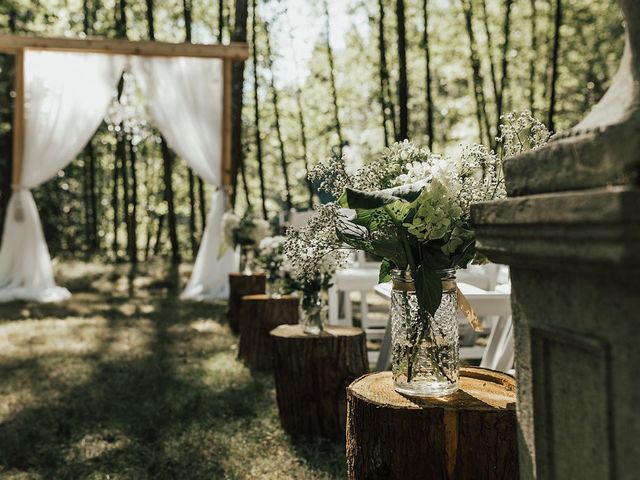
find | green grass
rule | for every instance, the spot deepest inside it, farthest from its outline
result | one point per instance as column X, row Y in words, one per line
column 124, row 381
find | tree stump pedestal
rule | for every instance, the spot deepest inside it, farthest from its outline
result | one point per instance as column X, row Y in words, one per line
column 470, row 434
column 259, row 314
column 239, row 286
column 312, row 373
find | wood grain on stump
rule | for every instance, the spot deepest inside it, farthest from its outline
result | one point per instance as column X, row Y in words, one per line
column 259, row 314
column 312, row 373
column 468, row 435
column 239, row 286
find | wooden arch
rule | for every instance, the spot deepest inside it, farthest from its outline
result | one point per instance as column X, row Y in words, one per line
column 16, row 45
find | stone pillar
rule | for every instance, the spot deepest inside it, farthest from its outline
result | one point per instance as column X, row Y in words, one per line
column 570, row 230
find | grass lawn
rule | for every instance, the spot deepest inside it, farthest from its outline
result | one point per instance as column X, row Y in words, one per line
column 124, row 381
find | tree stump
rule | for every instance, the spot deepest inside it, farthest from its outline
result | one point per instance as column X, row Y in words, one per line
column 239, row 286
column 258, row 316
column 312, row 373
column 470, row 434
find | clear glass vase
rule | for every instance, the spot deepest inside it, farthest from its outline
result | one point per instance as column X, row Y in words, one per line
column 247, row 259
column 275, row 286
column 425, row 352
column 313, row 312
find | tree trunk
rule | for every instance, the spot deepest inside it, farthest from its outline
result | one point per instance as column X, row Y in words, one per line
column 256, row 109
column 115, row 201
column 403, row 84
column 478, row 82
column 312, row 373
column 554, row 66
column 332, row 79
column 259, row 315
column 93, row 194
column 167, row 163
column 276, row 111
column 492, row 62
column 533, row 58
column 384, row 74
column 133, row 216
column 239, row 286
column 504, row 82
column 239, row 34
column 221, row 20
column 470, row 434
column 428, row 80
column 167, row 168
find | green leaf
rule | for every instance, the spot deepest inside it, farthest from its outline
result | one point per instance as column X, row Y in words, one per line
column 385, row 271
column 428, row 289
column 359, row 199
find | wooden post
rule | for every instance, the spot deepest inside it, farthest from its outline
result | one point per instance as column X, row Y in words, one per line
column 227, row 166
column 18, row 119
column 470, row 434
column 312, row 373
column 261, row 314
column 239, row 286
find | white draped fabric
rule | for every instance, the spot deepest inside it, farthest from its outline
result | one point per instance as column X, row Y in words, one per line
column 184, row 96
column 66, row 98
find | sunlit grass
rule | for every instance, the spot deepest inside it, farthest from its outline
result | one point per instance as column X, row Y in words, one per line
column 109, row 385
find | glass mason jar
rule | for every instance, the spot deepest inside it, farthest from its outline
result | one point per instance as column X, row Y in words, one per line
column 313, row 312
column 247, row 259
column 275, row 286
column 425, row 350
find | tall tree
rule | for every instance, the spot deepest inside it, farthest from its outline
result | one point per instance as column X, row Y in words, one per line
column 256, row 106
column 167, row 168
column 428, row 80
column 533, row 57
column 332, row 77
column 477, row 80
column 301, row 119
column 186, row 9
column 221, row 20
column 490, row 50
column 403, row 83
column 553, row 83
column 276, row 112
column 386, row 102
column 239, row 34
column 504, row 81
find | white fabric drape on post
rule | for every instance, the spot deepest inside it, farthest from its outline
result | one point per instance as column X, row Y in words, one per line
column 184, row 96
column 66, row 98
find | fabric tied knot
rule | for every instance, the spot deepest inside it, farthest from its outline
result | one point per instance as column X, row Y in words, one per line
column 18, row 209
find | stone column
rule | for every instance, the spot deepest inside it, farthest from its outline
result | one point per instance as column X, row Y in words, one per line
column 570, row 230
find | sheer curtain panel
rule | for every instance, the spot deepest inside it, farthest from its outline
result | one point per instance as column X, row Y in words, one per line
column 184, row 97
column 66, row 98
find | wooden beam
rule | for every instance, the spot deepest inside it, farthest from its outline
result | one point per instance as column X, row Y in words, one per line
column 227, row 181
column 18, row 120
column 16, row 43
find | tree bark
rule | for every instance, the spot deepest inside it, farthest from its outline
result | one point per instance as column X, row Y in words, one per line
column 221, row 20
column 256, row 108
column 554, row 66
column 470, row 434
column 133, row 215
column 504, row 82
column 239, row 286
column 239, row 34
column 332, row 78
column 533, row 58
column 477, row 80
column 167, row 169
column 428, row 79
column 403, row 83
column 312, row 373
column 276, row 112
column 259, row 315
column 384, row 74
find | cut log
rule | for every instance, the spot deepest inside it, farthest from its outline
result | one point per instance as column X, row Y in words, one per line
column 470, row 434
column 312, row 373
column 239, row 286
column 258, row 316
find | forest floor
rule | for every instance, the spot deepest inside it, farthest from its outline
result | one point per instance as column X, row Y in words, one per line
column 125, row 381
